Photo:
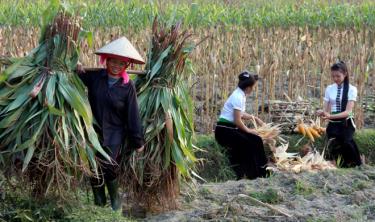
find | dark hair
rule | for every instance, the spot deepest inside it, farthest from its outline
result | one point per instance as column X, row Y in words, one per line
column 246, row 79
column 341, row 67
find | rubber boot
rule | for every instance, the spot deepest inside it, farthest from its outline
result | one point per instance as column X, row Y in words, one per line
column 114, row 195
column 99, row 195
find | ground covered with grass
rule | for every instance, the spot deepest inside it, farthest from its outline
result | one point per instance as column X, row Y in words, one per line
column 337, row 195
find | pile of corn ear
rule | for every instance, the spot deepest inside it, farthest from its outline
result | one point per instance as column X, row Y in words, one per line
column 311, row 131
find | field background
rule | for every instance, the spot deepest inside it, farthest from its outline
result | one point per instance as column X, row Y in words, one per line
column 290, row 44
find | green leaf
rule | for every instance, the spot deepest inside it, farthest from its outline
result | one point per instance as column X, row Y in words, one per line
column 179, row 159
column 29, row 155
column 7, row 72
column 50, row 90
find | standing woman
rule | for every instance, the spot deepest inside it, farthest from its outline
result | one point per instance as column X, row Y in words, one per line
column 113, row 101
column 339, row 101
column 245, row 147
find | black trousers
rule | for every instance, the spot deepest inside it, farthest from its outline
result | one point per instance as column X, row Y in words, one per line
column 109, row 170
column 245, row 150
column 342, row 144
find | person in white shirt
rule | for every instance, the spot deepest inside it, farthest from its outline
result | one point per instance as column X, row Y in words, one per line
column 245, row 147
column 339, row 101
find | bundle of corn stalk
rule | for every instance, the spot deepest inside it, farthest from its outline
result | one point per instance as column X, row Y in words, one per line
column 312, row 130
column 270, row 133
column 46, row 124
column 291, row 162
column 152, row 178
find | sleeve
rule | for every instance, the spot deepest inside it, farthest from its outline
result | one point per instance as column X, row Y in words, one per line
column 326, row 95
column 352, row 94
column 237, row 103
column 133, row 120
column 88, row 77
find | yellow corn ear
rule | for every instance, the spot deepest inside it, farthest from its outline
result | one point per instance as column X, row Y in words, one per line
column 314, row 132
column 309, row 134
column 301, row 129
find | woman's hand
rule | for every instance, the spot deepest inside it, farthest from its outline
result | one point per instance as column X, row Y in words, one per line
column 80, row 68
column 140, row 149
column 253, row 131
column 319, row 112
column 326, row 116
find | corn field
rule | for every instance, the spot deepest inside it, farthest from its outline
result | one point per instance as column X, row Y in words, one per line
column 291, row 44
column 294, row 61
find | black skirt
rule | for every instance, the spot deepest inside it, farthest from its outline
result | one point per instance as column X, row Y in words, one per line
column 245, row 151
column 342, row 146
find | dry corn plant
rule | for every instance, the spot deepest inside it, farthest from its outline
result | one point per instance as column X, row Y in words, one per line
column 153, row 177
column 46, row 124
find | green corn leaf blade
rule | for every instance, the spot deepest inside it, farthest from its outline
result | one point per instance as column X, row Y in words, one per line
column 9, row 120
column 29, row 155
column 55, row 111
column 179, row 159
column 7, row 72
column 50, row 90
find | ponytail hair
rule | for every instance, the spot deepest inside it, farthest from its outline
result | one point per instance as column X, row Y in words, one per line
column 341, row 67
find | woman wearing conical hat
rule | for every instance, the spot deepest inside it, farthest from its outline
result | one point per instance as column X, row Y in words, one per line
column 113, row 101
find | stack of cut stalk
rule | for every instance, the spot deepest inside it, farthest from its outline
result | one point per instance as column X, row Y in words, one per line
column 152, row 177
column 283, row 112
column 291, row 162
column 46, row 122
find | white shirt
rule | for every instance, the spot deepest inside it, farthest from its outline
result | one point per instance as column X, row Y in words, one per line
column 236, row 101
column 331, row 94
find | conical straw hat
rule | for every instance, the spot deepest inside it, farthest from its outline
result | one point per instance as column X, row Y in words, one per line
column 121, row 48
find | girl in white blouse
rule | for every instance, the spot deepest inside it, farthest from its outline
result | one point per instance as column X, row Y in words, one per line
column 339, row 101
column 245, row 147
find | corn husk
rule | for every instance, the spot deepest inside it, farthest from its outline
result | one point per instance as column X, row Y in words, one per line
column 270, row 133
column 313, row 161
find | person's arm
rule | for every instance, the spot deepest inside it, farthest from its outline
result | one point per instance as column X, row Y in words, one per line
column 86, row 76
column 133, row 121
column 247, row 116
column 345, row 114
column 326, row 105
column 240, row 124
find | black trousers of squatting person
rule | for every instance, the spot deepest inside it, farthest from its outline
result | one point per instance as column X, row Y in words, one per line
column 109, row 170
column 343, row 144
column 245, row 151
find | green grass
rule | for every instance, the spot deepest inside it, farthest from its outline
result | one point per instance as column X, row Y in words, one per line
column 138, row 15
column 302, row 188
column 17, row 206
column 214, row 165
column 269, row 196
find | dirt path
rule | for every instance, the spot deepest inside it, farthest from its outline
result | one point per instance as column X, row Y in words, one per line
column 340, row 195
